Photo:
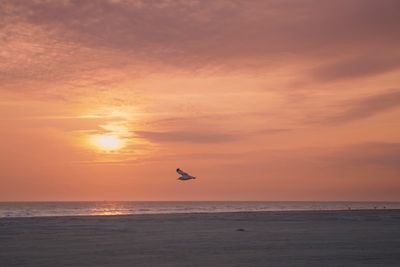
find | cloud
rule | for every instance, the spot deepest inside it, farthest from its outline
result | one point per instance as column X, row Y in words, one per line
column 366, row 155
column 274, row 130
column 362, row 108
column 362, row 66
column 188, row 137
column 196, row 34
column 365, row 160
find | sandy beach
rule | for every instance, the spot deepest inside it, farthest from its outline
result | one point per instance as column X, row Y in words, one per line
column 312, row 238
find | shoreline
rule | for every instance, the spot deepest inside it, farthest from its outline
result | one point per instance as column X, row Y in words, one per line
column 204, row 213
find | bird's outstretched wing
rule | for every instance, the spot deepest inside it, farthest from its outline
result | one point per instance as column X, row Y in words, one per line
column 182, row 172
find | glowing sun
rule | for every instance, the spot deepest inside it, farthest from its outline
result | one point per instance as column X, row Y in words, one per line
column 107, row 142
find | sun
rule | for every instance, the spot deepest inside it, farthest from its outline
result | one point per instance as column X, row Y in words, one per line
column 107, row 142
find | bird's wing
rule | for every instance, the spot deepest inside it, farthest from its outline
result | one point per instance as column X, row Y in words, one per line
column 182, row 173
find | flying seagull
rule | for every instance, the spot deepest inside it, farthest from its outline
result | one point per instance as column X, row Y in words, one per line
column 184, row 176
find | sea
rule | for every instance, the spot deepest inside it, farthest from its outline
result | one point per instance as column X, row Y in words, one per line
column 108, row 208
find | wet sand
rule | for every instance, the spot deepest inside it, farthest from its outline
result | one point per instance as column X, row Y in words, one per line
column 312, row 238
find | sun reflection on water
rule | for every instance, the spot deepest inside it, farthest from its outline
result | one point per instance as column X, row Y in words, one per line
column 108, row 209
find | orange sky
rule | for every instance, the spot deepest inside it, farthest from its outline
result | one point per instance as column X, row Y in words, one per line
column 262, row 100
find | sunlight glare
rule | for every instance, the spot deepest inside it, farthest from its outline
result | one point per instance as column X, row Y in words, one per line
column 108, row 142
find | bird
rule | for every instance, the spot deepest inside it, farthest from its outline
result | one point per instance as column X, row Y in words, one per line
column 184, row 176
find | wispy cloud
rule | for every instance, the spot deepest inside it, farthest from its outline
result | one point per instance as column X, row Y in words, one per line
column 43, row 39
column 362, row 108
column 362, row 66
column 274, row 130
column 188, row 137
column 365, row 155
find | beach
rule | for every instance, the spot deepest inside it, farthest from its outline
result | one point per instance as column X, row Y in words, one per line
column 284, row 238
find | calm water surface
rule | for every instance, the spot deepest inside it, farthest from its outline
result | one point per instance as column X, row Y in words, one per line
column 38, row 209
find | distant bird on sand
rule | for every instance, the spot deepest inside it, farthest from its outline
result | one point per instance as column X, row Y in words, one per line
column 184, row 176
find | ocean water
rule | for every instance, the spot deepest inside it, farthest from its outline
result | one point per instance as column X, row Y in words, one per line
column 40, row 209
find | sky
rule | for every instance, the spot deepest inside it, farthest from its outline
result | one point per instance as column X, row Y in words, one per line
column 261, row 100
